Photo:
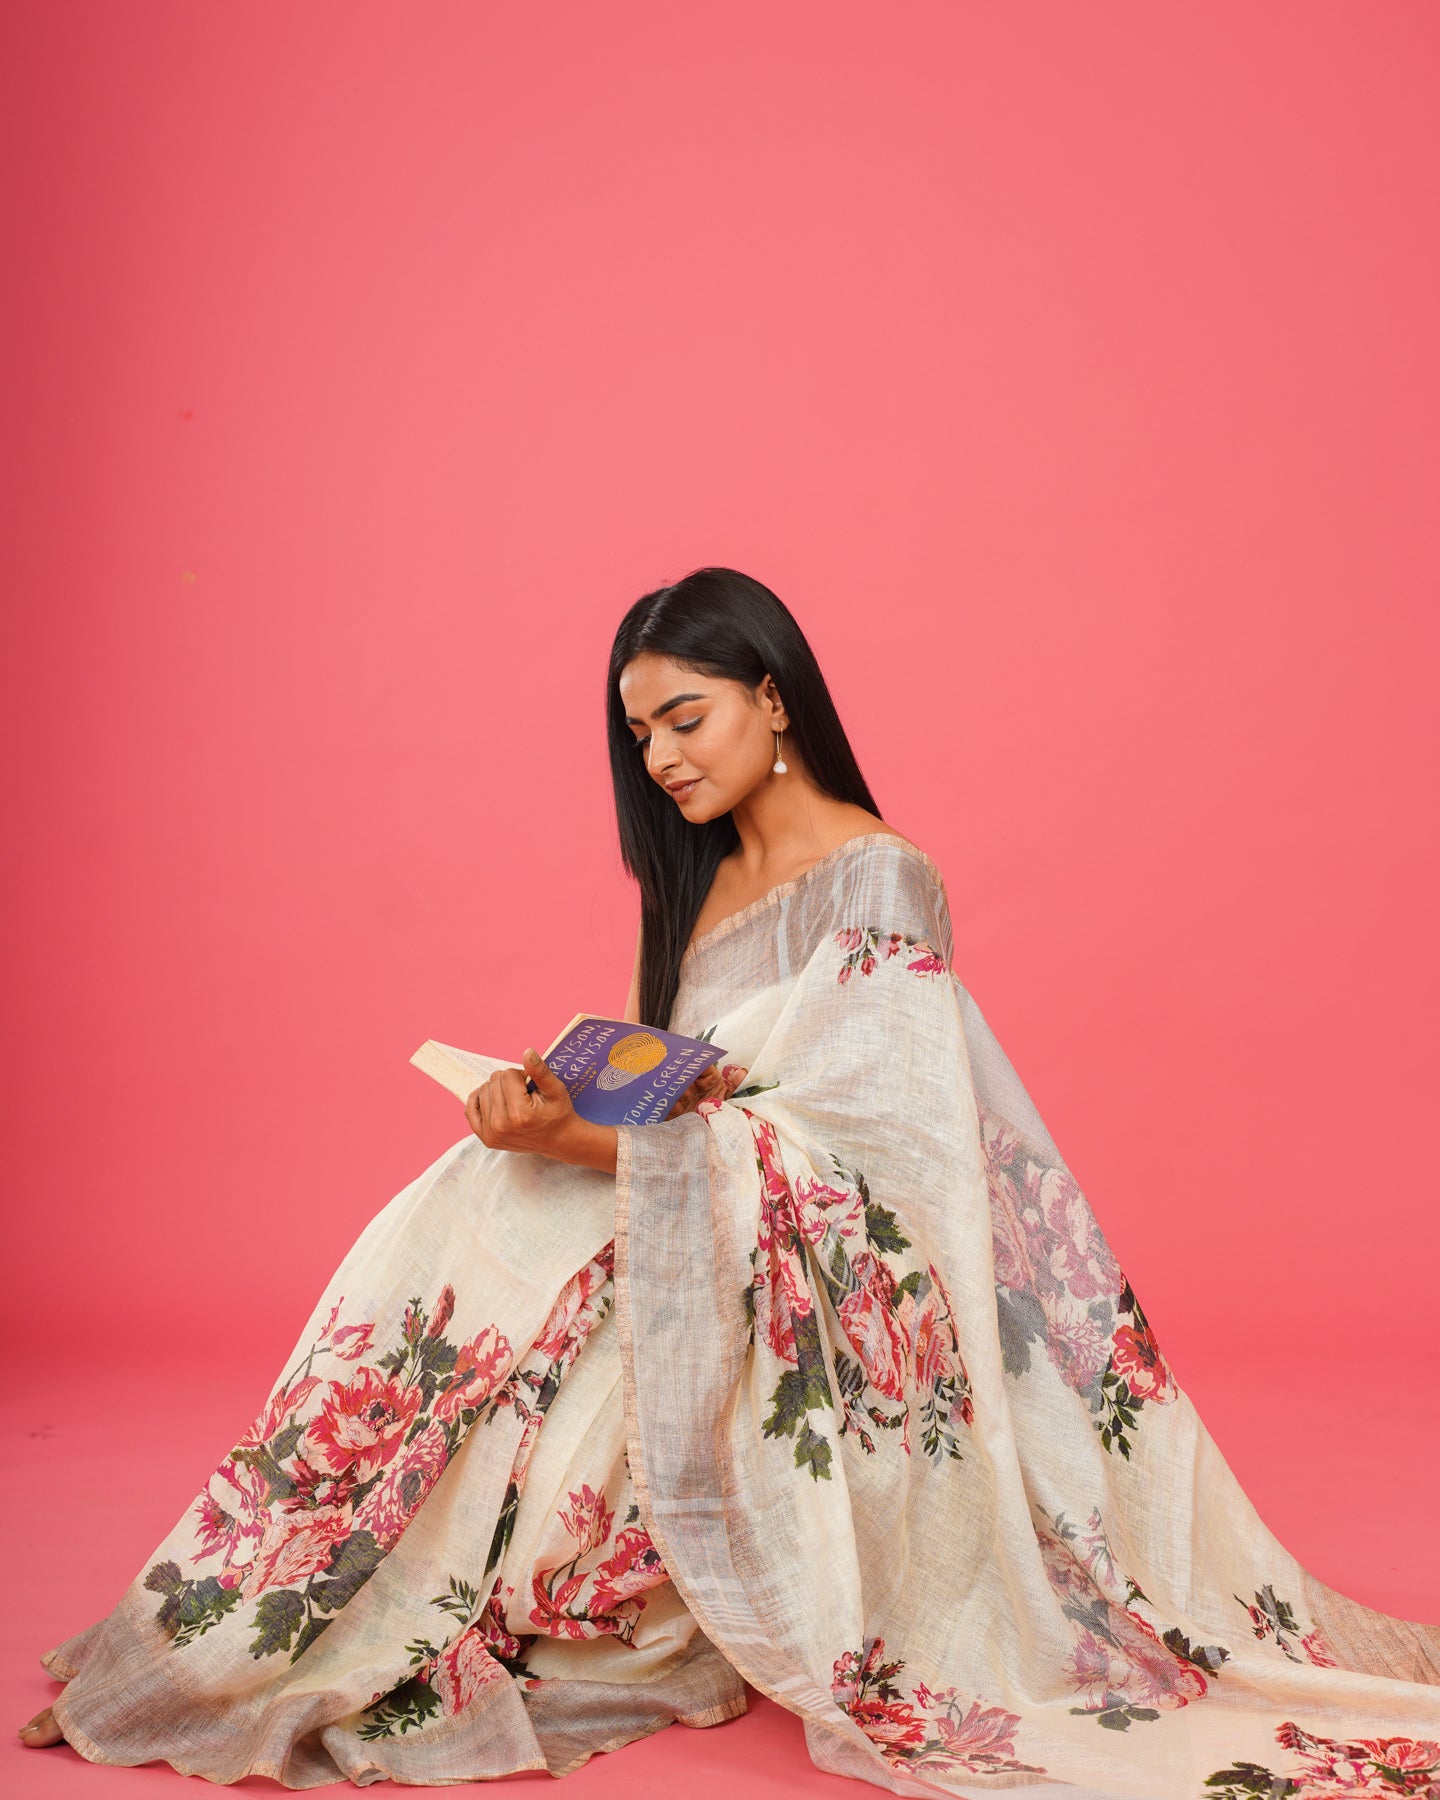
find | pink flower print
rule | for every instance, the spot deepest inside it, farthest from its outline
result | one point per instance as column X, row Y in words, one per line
column 1095, row 1547
column 479, row 1367
column 588, row 1519
column 464, row 1668
column 1152, row 1675
column 931, row 1334
column 319, row 1487
column 1080, row 1258
column 1011, row 1246
column 782, row 1296
column 1076, row 1343
column 733, row 1075
column 819, row 1206
column 1089, row 1669
column 352, row 1341
column 851, row 938
column 1128, row 1664
column 845, row 1679
column 231, row 1527
column 776, row 1204
column 858, row 1686
column 633, row 1566
column 925, row 960
column 1136, row 1357
column 361, row 1424
column 444, row 1306
column 1001, row 1140
column 234, row 1523
column 1330, row 1769
column 491, row 1626
column 395, row 1499
column 781, row 1292
column 984, row 1735
column 278, row 1409
column 875, row 1336
column 528, row 1434
column 572, row 1305
column 295, row 1545
column 1065, row 1574
column 1317, row 1650
column 550, row 1612
column 892, row 1724
column 871, row 1272
column 215, row 1528
column 1415, row 1760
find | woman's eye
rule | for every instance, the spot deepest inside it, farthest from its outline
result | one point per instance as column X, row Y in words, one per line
column 640, row 743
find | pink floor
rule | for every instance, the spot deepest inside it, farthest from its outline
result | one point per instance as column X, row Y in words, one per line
column 1344, row 1465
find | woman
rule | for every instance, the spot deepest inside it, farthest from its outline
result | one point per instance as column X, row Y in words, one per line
column 830, row 1382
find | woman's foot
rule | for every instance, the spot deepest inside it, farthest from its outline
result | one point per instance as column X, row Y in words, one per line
column 42, row 1729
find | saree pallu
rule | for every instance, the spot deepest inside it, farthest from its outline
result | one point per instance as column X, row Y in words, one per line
column 836, row 1387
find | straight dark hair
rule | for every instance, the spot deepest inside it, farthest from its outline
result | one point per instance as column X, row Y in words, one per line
column 726, row 625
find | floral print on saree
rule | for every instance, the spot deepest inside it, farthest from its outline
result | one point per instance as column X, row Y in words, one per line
column 837, row 1387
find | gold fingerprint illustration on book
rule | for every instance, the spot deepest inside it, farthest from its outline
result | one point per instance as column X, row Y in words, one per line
column 637, row 1053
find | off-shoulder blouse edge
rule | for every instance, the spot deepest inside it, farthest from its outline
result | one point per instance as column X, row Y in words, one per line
column 771, row 895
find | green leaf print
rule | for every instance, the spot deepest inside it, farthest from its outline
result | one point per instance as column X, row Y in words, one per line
column 796, row 1392
column 352, row 1562
column 407, row 1708
column 278, row 1617
column 882, row 1231
column 813, row 1453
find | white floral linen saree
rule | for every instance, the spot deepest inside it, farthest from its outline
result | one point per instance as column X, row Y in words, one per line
column 836, row 1386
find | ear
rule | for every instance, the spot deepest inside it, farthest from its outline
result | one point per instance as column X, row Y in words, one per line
column 770, row 696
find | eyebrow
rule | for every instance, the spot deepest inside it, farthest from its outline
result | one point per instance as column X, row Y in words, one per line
column 660, row 711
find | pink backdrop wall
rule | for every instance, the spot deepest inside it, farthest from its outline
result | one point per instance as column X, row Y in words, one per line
column 1070, row 372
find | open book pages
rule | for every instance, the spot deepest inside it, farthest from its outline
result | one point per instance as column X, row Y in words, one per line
column 616, row 1073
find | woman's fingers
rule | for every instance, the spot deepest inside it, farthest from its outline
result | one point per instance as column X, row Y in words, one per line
column 504, row 1116
column 512, row 1102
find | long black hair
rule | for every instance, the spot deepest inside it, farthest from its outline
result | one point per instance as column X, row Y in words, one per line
column 723, row 624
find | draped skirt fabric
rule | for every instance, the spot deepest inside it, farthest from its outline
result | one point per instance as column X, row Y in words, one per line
column 424, row 1559
column 837, row 1387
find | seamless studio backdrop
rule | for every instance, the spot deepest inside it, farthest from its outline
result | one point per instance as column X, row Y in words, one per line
column 1073, row 379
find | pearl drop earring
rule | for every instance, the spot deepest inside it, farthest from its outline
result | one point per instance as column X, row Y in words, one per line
column 779, row 763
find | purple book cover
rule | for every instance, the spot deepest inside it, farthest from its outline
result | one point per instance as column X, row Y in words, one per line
column 621, row 1074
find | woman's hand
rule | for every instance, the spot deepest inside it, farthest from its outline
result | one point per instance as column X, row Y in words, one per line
column 505, row 1117
column 707, row 1085
column 714, row 1083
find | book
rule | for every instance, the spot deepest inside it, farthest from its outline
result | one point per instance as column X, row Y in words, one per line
column 615, row 1073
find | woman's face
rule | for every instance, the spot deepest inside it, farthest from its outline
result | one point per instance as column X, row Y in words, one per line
column 714, row 735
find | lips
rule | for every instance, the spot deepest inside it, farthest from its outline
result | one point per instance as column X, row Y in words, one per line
column 682, row 788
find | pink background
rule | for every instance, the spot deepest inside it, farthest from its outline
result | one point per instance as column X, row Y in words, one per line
column 1070, row 372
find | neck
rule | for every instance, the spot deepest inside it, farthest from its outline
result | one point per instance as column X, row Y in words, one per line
column 784, row 820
